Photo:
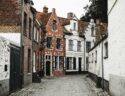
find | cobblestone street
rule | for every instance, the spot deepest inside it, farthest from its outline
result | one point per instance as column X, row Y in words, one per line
column 75, row 85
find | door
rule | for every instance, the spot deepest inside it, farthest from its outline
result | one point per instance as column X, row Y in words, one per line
column 15, row 82
column 79, row 62
column 48, row 68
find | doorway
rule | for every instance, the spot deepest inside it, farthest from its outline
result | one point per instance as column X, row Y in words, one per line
column 15, row 79
column 79, row 62
column 47, row 68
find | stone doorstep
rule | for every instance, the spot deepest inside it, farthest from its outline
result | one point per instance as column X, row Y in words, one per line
column 98, row 91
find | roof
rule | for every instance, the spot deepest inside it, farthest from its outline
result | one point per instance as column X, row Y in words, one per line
column 82, row 25
column 64, row 21
column 43, row 17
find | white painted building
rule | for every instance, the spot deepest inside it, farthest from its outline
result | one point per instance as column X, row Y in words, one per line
column 9, row 64
column 4, row 59
column 74, row 46
column 89, row 40
column 116, row 65
column 97, row 52
column 110, row 64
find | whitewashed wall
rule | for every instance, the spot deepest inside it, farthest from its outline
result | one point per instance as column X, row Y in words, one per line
column 96, row 67
column 117, row 48
column 4, row 59
column 89, row 38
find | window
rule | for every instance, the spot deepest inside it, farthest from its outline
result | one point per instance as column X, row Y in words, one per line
column 58, row 43
column 70, row 63
column 48, row 57
column 38, row 35
column 74, row 63
column 34, row 32
column 74, row 26
column 96, row 57
column 30, row 28
column 49, row 42
column 92, row 57
column 67, row 62
column 25, row 24
column 92, row 30
column 88, row 46
column 29, row 60
column 54, row 25
column 60, row 61
column 70, row 45
column 79, row 46
column 106, row 50
column 34, row 61
column 56, row 62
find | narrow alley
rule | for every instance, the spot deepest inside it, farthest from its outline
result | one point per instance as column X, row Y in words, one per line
column 71, row 85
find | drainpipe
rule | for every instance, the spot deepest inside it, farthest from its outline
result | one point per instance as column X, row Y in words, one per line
column 102, row 67
column 64, row 67
column 21, row 45
column 84, row 52
column 32, row 39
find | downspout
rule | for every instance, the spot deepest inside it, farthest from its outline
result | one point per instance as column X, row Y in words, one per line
column 21, row 45
column 84, row 53
column 102, row 68
column 32, row 38
column 64, row 53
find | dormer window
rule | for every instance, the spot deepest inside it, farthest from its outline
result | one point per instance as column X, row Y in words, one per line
column 74, row 26
column 54, row 25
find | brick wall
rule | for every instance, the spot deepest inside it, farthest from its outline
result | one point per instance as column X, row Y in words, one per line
column 10, row 12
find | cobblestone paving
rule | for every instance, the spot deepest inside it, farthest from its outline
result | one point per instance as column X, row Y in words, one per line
column 75, row 85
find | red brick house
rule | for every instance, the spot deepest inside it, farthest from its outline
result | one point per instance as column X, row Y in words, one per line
column 54, row 50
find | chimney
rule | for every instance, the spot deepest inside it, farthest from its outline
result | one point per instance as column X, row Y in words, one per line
column 45, row 9
column 53, row 10
column 98, row 21
column 70, row 15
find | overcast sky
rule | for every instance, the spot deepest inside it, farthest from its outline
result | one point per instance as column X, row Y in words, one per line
column 62, row 6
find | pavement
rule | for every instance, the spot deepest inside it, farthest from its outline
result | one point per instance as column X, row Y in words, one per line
column 69, row 85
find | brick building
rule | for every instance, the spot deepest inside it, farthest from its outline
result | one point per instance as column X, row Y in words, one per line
column 28, row 15
column 54, row 50
column 38, row 51
column 16, row 24
column 10, row 20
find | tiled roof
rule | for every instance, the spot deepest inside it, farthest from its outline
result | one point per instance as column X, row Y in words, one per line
column 82, row 25
column 43, row 17
column 64, row 21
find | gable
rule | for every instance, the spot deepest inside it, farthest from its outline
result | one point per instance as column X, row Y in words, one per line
column 53, row 17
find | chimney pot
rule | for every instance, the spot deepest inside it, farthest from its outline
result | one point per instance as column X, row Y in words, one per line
column 70, row 15
column 45, row 9
column 53, row 10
